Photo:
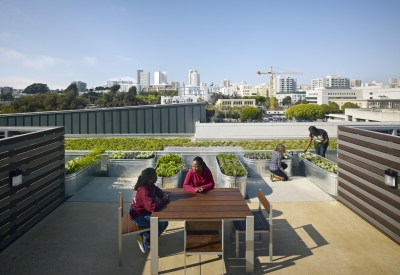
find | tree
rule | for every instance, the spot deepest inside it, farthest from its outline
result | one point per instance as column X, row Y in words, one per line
column 36, row 88
column 305, row 111
column 349, row 105
column 287, row 101
column 6, row 97
column 115, row 88
column 251, row 113
column 210, row 112
column 72, row 88
column 304, row 101
column 133, row 90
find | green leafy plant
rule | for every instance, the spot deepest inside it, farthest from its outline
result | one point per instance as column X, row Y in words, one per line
column 320, row 162
column 262, row 155
column 131, row 155
column 158, row 144
column 169, row 165
column 230, row 165
column 81, row 162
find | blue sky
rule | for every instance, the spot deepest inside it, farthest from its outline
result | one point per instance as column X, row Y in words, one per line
column 56, row 42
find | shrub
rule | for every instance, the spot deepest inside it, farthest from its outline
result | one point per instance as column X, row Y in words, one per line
column 81, row 162
column 320, row 162
column 169, row 165
column 230, row 165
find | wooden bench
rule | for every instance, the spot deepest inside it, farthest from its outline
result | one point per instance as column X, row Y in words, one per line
column 203, row 238
column 261, row 224
column 126, row 227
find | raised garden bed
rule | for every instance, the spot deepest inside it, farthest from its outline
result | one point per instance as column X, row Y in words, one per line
column 257, row 163
column 81, row 170
column 321, row 171
column 231, row 173
column 169, row 171
column 129, row 164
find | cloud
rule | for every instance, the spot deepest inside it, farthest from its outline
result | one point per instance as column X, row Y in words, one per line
column 38, row 62
column 4, row 36
column 89, row 60
column 18, row 82
column 41, row 62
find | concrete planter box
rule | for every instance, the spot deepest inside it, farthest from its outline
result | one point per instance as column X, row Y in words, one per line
column 128, row 167
column 259, row 167
column 323, row 179
column 76, row 181
column 170, row 182
column 224, row 181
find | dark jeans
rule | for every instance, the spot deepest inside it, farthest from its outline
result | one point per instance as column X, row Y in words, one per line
column 321, row 150
column 280, row 173
column 144, row 221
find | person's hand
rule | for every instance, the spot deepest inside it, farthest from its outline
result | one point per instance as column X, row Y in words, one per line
column 166, row 196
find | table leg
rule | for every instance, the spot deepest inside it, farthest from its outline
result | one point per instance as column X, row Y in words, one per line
column 154, row 245
column 249, row 244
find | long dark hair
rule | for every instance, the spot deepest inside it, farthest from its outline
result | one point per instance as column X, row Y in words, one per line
column 314, row 130
column 144, row 177
column 200, row 161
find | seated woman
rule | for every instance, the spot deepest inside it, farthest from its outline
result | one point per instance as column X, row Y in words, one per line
column 276, row 166
column 199, row 178
column 149, row 198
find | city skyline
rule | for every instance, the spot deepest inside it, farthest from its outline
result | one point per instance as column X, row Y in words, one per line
column 96, row 41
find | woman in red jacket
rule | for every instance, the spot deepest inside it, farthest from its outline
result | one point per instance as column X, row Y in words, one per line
column 149, row 198
column 199, row 178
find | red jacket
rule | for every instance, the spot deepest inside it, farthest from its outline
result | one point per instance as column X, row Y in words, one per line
column 148, row 199
column 204, row 180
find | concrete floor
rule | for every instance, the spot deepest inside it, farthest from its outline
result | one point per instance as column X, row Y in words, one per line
column 313, row 234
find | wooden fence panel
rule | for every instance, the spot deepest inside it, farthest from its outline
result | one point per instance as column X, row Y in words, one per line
column 40, row 157
column 363, row 157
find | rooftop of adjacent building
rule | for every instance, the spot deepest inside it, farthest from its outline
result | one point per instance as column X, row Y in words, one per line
column 313, row 234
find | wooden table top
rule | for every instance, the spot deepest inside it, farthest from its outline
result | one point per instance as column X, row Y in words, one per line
column 219, row 203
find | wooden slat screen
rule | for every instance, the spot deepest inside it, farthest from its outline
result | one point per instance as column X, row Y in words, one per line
column 363, row 157
column 40, row 156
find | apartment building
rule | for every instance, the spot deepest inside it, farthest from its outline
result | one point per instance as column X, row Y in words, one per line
column 194, row 78
column 160, row 78
column 285, row 84
column 81, row 86
column 144, row 79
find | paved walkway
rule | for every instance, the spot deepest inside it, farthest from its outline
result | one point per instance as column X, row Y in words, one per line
column 315, row 236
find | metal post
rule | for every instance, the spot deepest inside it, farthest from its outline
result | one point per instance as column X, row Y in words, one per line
column 249, row 244
column 154, row 245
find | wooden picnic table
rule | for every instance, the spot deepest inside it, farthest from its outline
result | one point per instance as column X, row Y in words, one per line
column 217, row 204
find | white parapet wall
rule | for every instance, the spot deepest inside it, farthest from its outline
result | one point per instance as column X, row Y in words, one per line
column 266, row 131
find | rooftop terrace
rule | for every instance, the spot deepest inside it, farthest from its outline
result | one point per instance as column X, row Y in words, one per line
column 313, row 234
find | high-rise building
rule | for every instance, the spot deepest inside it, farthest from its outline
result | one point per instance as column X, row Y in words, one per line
column 285, row 84
column 194, row 78
column 80, row 85
column 331, row 81
column 225, row 83
column 138, row 76
column 144, row 79
column 355, row 83
column 160, row 78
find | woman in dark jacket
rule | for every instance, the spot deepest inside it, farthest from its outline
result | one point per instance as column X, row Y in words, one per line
column 321, row 140
column 149, row 198
column 276, row 166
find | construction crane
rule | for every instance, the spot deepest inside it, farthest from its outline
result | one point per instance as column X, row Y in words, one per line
column 271, row 85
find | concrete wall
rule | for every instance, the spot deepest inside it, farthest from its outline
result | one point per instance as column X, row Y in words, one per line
column 259, row 131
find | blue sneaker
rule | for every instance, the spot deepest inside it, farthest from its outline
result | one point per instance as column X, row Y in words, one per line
column 142, row 243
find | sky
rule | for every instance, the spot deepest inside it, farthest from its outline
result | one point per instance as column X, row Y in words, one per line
column 57, row 42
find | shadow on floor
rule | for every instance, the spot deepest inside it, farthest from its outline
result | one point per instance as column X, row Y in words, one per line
column 288, row 247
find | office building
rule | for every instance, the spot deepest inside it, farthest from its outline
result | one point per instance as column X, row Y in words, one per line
column 235, row 102
column 330, row 81
column 138, row 76
column 194, row 78
column 81, row 86
column 160, row 78
column 327, row 95
column 144, row 79
column 355, row 83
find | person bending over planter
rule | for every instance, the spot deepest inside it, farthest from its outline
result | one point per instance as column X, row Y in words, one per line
column 321, row 140
column 199, row 178
column 149, row 198
column 276, row 166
